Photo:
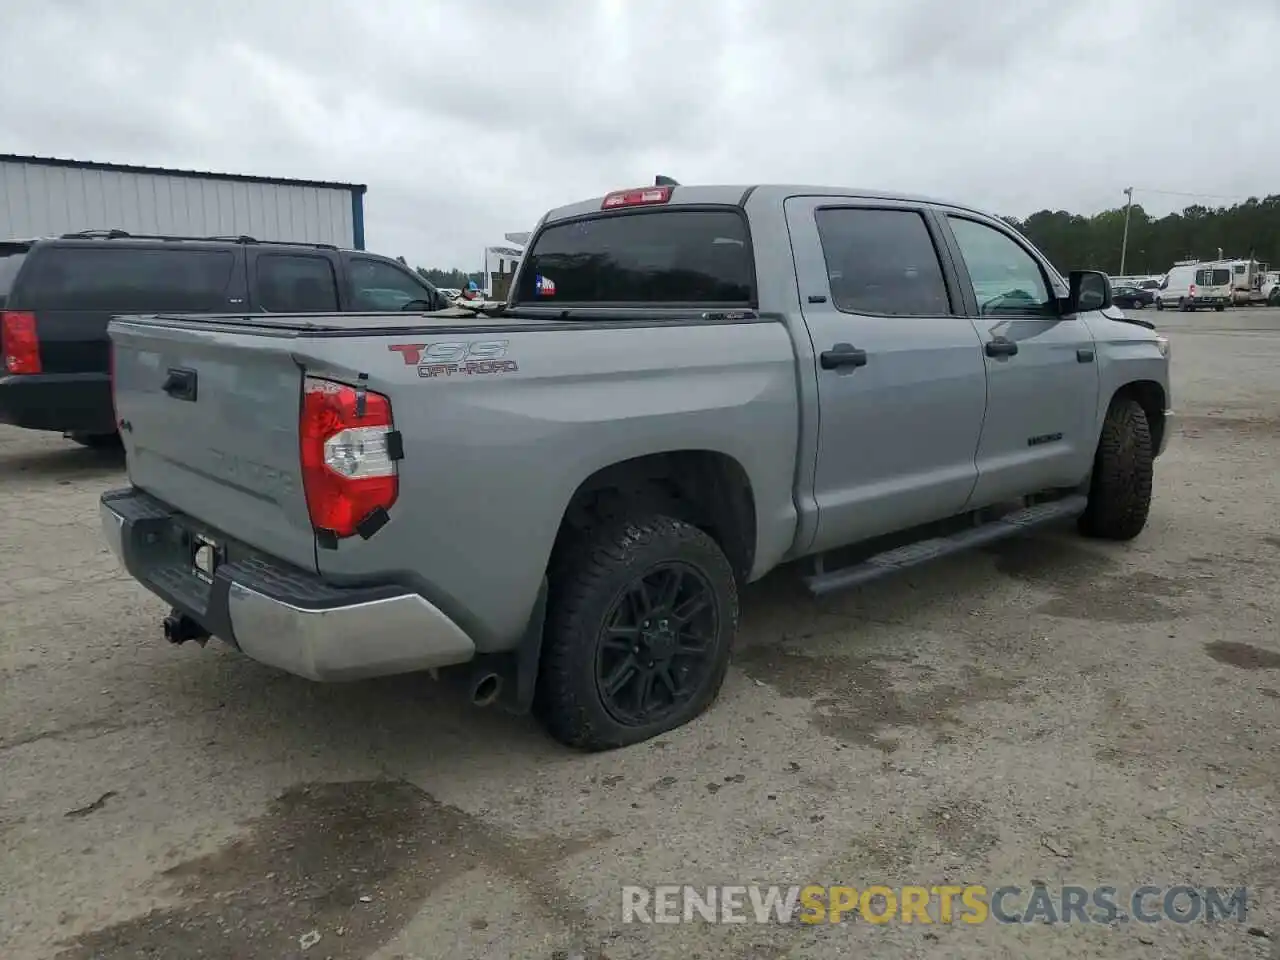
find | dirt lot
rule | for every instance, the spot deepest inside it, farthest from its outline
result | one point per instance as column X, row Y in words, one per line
column 1050, row 710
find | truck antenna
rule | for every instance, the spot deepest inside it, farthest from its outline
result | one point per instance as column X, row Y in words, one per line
column 662, row 181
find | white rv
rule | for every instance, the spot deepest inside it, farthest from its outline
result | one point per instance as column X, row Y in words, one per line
column 1191, row 284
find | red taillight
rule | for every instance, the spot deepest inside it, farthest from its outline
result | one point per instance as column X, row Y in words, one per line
column 18, row 342
column 639, row 197
column 347, row 469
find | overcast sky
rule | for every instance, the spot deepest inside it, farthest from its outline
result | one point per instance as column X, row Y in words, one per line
column 468, row 118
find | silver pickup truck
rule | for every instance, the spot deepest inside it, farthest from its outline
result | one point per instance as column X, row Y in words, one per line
column 554, row 501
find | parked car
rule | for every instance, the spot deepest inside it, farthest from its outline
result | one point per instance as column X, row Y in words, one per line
column 56, row 296
column 555, row 501
column 1132, row 297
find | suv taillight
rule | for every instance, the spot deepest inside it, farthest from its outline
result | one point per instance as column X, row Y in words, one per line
column 18, row 342
column 348, row 473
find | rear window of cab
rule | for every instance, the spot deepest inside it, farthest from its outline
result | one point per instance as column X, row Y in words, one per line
column 670, row 257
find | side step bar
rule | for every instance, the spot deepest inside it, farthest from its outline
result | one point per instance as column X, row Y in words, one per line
column 914, row 554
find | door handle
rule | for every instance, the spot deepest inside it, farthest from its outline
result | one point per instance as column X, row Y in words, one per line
column 842, row 355
column 1001, row 347
column 180, row 384
column 1084, row 355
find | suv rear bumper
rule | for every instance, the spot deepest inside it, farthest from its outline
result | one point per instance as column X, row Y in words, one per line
column 70, row 402
column 277, row 614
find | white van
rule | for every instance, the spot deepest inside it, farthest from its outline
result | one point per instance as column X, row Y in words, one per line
column 1192, row 284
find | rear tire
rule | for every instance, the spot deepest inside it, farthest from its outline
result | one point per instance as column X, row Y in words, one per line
column 613, row 576
column 1219, row 308
column 1159, row 304
column 1123, row 470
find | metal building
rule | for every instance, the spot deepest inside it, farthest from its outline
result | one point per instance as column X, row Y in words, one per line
column 42, row 196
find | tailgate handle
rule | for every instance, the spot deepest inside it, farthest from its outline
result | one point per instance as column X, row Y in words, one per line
column 180, row 384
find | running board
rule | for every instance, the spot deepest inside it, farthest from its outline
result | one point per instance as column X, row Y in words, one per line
column 914, row 554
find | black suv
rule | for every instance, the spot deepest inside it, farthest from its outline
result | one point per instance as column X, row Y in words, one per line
column 57, row 295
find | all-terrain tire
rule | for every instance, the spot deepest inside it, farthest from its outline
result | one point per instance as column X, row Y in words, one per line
column 588, row 580
column 1123, row 469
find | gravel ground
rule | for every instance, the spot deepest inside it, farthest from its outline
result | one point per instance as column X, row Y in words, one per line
column 1049, row 709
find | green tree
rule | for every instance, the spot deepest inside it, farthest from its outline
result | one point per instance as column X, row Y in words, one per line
column 1075, row 242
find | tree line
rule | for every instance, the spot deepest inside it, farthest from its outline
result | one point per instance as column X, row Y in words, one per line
column 1076, row 242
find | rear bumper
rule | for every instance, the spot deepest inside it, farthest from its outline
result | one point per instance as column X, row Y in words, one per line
column 277, row 614
column 69, row 402
column 1211, row 301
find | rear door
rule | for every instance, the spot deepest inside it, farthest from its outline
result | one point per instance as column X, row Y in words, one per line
column 901, row 385
column 74, row 289
column 1042, row 370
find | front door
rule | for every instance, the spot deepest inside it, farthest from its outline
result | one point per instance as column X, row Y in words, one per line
column 899, row 367
column 1042, row 368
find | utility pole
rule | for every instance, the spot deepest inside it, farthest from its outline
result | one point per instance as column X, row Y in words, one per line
column 1124, row 244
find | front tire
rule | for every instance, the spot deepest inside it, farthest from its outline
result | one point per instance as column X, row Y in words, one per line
column 1159, row 304
column 1123, row 470
column 641, row 620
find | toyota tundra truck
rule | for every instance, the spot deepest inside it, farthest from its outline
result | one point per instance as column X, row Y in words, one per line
column 554, row 501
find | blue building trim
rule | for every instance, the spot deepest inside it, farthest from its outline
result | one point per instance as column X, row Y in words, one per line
column 169, row 172
column 357, row 217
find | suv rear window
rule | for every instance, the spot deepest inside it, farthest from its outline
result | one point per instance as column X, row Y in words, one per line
column 11, row 257
column 126, row 280
column 672, row 257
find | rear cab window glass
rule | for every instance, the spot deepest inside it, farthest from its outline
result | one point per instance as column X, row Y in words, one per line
column 1220, row 277
column 12, row 256
column 882, row 262
column 127, row 280
column 296, row 283
column 672, row 257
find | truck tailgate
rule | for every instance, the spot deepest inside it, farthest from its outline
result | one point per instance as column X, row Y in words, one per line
column 209, row 419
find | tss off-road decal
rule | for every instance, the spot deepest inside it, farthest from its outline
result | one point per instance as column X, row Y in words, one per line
column 450, row 357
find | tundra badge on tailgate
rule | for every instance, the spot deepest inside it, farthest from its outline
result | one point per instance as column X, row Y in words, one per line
column 456, row 356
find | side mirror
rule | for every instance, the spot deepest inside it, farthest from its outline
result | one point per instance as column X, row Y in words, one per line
column 1090, row 290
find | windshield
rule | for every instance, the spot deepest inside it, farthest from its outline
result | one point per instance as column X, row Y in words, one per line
column 671, row 257
column 11, row 258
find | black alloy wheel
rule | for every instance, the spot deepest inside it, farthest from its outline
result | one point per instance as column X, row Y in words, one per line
column 658, row 644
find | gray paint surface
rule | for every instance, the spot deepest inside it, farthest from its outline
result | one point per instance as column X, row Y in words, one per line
column 39, row 199
column 926, row 430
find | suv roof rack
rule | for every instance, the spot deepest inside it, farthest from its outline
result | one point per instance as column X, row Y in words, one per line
column 241, row 238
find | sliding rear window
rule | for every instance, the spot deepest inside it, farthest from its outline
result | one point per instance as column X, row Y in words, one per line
column 11, row 257
column 667, row 257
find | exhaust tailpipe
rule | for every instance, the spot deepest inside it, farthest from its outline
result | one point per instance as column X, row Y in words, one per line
column 485, row 690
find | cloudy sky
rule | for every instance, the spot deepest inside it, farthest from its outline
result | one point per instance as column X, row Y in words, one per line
column 468, row 118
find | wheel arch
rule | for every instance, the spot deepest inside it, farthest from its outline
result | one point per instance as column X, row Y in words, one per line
column 1149, row 395
column 706, row 488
